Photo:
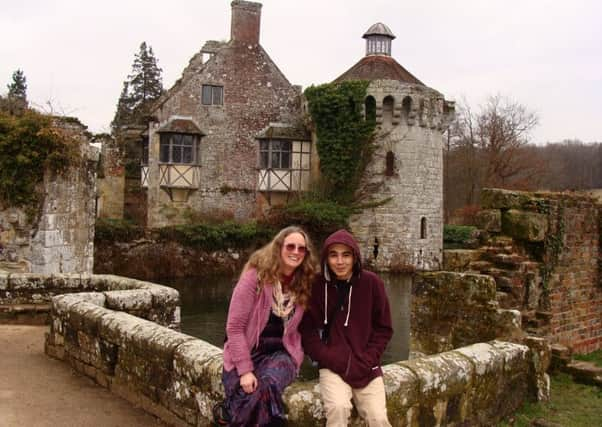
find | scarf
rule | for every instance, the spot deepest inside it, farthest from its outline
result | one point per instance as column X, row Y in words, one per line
column 283, row 303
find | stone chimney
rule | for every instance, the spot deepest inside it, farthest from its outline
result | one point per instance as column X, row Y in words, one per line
column 246, row 17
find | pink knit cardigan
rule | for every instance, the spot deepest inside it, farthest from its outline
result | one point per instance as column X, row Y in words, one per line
column 247, row 317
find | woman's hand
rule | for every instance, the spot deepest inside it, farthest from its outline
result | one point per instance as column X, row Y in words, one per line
column 248, row 382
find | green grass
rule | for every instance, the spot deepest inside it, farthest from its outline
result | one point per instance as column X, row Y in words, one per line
column 571, row 405
column 456, row 236
column 594, row 357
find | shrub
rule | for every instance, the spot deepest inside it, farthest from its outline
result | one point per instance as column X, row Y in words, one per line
column 218, row 236
column 117, row 230
column 318, row 217
column 457, row 235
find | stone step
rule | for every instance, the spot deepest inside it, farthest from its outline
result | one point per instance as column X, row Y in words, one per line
column 480, row 266
column 529, row 267
column 501, row 241
column 585, row 372
column 494, row 250
column 505, row 299
column 512, row 261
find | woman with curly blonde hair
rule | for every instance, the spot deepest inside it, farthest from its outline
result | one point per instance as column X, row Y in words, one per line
column 263, row 352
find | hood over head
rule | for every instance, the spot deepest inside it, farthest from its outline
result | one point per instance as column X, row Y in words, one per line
column 346, row 238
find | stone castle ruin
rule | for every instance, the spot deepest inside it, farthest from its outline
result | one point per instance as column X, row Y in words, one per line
column 59, row 237
column 229, row 140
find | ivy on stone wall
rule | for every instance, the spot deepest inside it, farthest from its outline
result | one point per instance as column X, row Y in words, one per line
column 343, row 134
column 553, row 244
column 30, row 144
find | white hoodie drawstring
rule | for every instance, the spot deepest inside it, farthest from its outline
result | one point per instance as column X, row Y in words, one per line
column 325, row 303
column 348, row 305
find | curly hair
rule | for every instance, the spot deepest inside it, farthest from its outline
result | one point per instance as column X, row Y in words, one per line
column 266, row 261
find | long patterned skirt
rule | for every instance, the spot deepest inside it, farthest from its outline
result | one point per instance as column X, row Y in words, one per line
column 274, row 372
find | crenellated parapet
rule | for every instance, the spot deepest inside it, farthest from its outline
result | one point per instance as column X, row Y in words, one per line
column 411, row 105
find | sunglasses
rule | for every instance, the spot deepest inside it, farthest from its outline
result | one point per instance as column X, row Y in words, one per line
column 291, row 247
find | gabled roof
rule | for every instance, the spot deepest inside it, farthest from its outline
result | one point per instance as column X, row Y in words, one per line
column 284, row 131
column 181, row 125
column 378, row 67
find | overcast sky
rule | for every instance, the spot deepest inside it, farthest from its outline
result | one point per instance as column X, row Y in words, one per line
column 545, row 54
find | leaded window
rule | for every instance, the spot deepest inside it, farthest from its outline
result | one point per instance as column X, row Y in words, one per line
column 179, row 148
column 212, row 95
column 275, row 154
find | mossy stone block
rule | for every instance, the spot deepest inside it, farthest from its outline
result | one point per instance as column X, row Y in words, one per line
column 526, row 226
column 495, row 198
column 489, row 220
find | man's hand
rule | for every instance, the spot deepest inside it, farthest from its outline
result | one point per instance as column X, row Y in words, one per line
column 248, row 382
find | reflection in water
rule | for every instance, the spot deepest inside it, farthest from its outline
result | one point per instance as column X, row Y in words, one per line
column 205, row 308
column 204, row 305
column 399, row 291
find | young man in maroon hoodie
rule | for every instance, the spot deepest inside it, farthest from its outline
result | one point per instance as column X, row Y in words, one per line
column 346, row 329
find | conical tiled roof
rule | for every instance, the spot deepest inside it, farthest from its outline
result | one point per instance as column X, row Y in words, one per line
column 378, row 67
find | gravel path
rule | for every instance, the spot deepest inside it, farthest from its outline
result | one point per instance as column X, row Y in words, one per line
column 38, row 391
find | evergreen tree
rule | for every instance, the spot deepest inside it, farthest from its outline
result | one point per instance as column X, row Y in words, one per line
column 142, row 87
column 16, row 99
column 123, row 115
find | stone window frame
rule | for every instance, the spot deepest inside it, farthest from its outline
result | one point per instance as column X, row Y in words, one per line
column 169, row 141
column 388, row 108
column 275, row 154
column 370, row 108
column 390, row 163
column 212, row 94
column 423, row 227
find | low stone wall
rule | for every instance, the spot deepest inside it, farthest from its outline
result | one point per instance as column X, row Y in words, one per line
column 27, row 297
column 178, row 377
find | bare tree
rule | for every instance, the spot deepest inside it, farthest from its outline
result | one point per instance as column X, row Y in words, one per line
column 490, row 148
column 504, row 128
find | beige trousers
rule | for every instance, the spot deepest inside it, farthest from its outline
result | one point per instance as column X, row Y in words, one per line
column 370, row 401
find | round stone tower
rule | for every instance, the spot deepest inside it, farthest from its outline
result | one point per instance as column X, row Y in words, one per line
column 404, row 178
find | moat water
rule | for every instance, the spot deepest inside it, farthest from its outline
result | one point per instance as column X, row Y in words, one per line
column 205, row 307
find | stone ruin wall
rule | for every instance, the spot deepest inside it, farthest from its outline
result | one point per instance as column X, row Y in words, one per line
column 177, row 377
column 111, row 179
column 414, row 186
column 61, row 238
column 451, row 310
column 543, row 250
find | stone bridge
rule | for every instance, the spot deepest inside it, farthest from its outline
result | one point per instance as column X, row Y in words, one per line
column 123, row 334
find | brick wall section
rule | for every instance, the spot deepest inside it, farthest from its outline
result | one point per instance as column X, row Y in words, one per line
column 575, row 298
column 567, row 307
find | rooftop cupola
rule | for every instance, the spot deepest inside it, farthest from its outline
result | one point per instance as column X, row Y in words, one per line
column 378, row 40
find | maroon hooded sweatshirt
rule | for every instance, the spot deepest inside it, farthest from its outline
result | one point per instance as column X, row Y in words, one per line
column 358, row 331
